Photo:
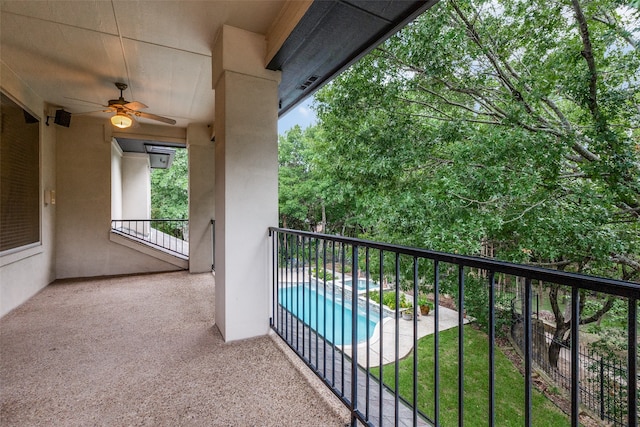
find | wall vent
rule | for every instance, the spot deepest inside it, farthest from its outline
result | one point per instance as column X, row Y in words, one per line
column 308, row 82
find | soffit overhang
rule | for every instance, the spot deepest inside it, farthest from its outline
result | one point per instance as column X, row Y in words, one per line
column 331, row 36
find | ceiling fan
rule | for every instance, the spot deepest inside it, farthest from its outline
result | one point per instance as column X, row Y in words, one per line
column 126, row 111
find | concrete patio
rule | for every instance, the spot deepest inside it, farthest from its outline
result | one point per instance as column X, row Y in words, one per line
column 143, row 350
column 425, row 325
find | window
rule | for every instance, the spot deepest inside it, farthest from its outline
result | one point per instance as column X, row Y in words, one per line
column 19, row 176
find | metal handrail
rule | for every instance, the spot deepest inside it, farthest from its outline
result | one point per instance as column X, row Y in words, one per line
column 312, row 268
column 167, row 234
column 598, row 284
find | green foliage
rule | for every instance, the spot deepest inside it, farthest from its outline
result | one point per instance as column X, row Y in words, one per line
column 322, row 274
column 510, row 125
column 611, row 329
column 305, row 191
column 509, row 383
column 170, row 189
column 389, row 299
column 422, row 301
column 375, row 296
column 480, row 123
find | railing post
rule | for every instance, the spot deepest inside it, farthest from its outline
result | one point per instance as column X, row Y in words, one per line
column 632, row 363
column 274, row 272
column 492, row 338
column 397, row 343
column 527, row 351
column 416, row 309
column 436, row 342
column 354, row 334
column 461, row 310
column 304, row 253
column 575, row 359
column 601, row 388
column 381, row 340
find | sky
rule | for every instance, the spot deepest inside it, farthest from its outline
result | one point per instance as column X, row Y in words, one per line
column 301, row 115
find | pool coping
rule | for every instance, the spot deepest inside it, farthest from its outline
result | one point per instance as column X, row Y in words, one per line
column 425, row 325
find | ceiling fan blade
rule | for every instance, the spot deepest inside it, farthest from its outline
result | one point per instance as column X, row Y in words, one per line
column 136, row 122
column 155, row 117
column 135, row 105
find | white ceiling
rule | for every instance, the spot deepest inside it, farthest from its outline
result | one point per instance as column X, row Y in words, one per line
column 71, row 52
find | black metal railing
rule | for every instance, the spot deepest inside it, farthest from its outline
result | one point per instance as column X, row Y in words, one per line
column 168, row 234
column 324, row 307
column 602, row 376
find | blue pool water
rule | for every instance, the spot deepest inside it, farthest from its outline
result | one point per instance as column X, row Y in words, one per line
column 304, row 302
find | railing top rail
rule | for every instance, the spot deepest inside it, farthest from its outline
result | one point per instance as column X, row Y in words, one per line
column 598, row 284
column 149, row 220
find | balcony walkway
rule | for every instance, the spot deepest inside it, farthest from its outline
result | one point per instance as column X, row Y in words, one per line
column 142, row 350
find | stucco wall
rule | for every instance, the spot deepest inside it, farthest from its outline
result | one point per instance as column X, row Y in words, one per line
column 24, row 273
column 116, row 181
column 136, row 186
column 246, row 181
column 201, row 197
column 84, row 207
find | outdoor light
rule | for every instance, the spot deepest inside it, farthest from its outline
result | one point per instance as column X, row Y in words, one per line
column 121, row 120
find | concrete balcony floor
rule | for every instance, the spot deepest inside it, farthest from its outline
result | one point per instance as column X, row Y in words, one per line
column 143, row 350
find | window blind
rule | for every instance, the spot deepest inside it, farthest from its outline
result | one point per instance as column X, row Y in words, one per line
column 19, row 177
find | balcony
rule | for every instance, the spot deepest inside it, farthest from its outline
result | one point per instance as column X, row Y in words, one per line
column 453, row 377
column 144, row 349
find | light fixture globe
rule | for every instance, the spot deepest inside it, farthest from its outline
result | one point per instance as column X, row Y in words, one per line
column 121, row 120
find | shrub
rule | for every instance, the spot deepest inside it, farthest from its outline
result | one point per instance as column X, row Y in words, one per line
column 389, row 299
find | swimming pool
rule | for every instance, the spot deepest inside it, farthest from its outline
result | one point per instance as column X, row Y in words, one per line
column 362, row 284
column 303, row 301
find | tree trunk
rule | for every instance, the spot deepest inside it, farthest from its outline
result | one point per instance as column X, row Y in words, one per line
column 561, row 327
column 558, row 342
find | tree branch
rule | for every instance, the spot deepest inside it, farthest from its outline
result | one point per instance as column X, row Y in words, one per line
column 587, row 54
column 491, row 201
column 598, row 314
column 551, row 264
column 452, row 119
column 491, row 57
column 456, row 104
column 535, row 205
column 624, row 259
column 614, row 26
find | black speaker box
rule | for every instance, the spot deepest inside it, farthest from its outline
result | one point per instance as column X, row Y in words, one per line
column 63, row 118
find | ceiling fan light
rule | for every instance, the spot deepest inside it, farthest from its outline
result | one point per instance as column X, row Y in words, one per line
column 121, row 121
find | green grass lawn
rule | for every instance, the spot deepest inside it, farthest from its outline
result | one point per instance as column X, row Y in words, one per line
column 509, row 383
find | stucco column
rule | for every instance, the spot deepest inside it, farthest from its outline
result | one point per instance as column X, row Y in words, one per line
column 136, row 186
column 246, row 175
column 201, row 197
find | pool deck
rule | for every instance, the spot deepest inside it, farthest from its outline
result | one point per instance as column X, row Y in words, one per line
column 425, row 325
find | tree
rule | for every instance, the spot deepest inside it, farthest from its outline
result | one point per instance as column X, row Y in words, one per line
column 298, row 201
column 308, row 197
column 170, row 189
column 513, row 123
